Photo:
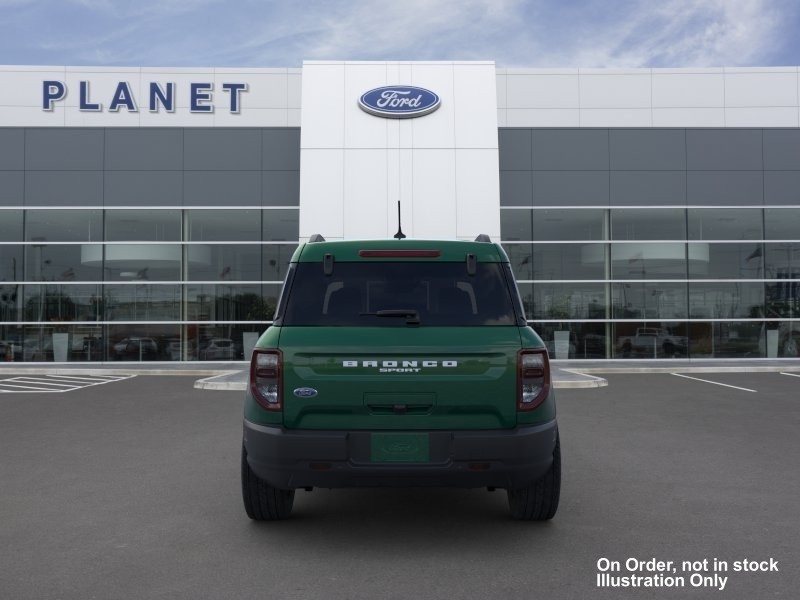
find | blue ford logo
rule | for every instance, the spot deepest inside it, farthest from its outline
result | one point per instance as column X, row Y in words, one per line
column 305, row 392
column 399, row 101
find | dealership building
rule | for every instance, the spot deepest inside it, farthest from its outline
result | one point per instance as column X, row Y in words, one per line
column 150, row 213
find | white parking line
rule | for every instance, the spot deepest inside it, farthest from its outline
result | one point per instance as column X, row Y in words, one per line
column 42, row 382
column 736, row 387
column 55, row 383
column 29, row 388
column 790, row 374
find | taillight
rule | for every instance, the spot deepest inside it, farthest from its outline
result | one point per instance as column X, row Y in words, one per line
column 533, row 378
column 265, row 378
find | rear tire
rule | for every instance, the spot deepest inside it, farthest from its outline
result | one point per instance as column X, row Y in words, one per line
column 538, row 501
column 262, row 502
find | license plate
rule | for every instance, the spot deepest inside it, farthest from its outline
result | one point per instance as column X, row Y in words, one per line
column 400, row 447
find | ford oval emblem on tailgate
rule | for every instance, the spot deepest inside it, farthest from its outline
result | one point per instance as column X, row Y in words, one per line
column 399, row 101
column 305, row 392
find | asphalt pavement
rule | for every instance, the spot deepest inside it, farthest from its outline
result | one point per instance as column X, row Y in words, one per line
column 130, row 489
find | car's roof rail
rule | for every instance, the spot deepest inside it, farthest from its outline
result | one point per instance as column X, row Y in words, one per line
column 317, row 237
column 482, row 237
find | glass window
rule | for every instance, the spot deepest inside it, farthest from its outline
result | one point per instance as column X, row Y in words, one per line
column 573, row 340
column 648, row 261
column 63, row 226
column 10, row 263
column 521, row 259
column 391, row 294
column 142, row 262
column 727, row 339
column 143, row 226
column 648, row 300
column 650, row 339
column 562, row 225
column 564, row 300
column 11, row 337
column 726, row 300
column 782, row 223
column 130, row 342
column 275, row 260
column 569, row 261
column 648, row 224
column 63, row 343
column 211, row 302
column 725, row 224
column 726, row 261
column 10, row 304
column 783, row 264
column 58, row 262
column 224, row 225
column 516, row 225
column 281, row 225
column 10, row 225
column 61, row 302
column 222, row 342
column 142, row 302
column 223, row 262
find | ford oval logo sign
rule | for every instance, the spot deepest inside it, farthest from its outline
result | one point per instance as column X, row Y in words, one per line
column 399, row 101
column 305, row 392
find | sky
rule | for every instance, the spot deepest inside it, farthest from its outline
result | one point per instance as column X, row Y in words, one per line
column 513, row 33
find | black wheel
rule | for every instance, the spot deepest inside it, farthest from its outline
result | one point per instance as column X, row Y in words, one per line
column 538, row 501
column 262, row 502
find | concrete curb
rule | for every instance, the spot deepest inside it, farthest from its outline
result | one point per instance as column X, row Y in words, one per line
column 211, row 383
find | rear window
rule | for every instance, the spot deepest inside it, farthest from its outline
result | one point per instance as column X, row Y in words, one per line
column 372, row 293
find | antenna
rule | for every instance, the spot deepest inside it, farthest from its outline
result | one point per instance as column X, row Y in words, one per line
column 399, row 235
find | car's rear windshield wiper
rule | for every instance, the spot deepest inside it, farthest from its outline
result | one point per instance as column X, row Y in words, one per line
column 412, row 316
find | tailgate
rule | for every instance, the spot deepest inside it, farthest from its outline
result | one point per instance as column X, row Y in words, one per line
column 399, row 378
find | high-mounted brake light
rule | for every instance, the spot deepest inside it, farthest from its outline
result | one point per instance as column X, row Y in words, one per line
column 533, row 378
column 399, row 253
column 265, row 378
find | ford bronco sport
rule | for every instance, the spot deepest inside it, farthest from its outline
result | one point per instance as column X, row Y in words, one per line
column 400, row 363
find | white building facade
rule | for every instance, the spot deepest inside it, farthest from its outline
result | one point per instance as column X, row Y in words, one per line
column 149, row 213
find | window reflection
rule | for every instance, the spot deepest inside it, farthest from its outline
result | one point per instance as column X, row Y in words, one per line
column 141, row 262
column 653, row 261
column 231, row 302
column 10, row 263
column 143, row 226
column 224, row 225
column 725, row 224
column 652, row 339
column 564, row 300
column 573, row 340
column 63, row 226
column 648, row 300
column 276, row 259
column 728, row 261
column 726, row 300
column 48, row 303
column 222, row 262
column 142, row 302
column 140, row 343
column 648, row 224
column 59, row 262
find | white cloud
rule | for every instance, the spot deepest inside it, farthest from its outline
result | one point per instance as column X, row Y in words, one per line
column 558, row 33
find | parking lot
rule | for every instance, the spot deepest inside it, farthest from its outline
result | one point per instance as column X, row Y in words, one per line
column 131, row 490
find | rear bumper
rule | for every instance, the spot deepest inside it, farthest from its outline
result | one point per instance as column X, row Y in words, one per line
column 507, row 458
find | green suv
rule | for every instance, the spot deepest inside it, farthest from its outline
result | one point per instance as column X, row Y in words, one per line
column 400, row 363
